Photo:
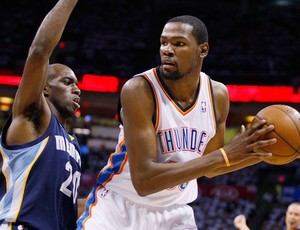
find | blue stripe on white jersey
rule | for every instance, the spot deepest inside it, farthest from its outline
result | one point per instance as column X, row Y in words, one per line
column 117, row 161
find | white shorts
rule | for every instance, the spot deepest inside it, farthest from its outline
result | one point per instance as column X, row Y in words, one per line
column 115, row 212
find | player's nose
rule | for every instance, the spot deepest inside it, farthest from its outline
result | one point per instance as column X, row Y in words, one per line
column 76, row 90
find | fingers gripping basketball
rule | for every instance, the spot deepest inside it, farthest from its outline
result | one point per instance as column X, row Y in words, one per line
column 286, row 121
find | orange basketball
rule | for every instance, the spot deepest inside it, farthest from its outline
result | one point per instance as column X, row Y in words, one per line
column 286, row 121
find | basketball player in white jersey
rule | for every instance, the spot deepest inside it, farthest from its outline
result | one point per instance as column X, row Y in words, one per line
column 173, row 123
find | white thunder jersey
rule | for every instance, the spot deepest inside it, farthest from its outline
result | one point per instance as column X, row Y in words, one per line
column 182, row 135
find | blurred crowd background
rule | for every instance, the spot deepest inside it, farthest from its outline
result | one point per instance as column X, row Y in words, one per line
column 253, row 42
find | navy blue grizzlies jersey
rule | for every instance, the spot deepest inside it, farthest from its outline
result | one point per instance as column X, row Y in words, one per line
column 39, row 181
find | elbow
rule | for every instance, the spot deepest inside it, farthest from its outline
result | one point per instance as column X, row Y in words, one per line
column 142, row 193
column 39, row 52
column 142, row 187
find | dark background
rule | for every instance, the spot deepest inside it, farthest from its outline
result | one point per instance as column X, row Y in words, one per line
column 251, row 42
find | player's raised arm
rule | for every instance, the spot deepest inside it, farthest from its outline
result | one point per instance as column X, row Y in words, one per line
column 40, row 161
column 29, row 100
column 36, row 66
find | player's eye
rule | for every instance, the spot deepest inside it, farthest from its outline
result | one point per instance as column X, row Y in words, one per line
column 179, row 44
column 163, row 43
column 68, row 81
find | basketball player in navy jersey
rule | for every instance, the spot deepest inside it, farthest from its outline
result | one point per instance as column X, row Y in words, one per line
column 173, row 123
column 40, row 160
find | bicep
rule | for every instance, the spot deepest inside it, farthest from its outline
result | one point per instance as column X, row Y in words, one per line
column 139, row 131
column 30, row 111
column 30, row 90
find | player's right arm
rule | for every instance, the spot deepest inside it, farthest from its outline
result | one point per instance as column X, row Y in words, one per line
column 150, row 176
column 30, row 112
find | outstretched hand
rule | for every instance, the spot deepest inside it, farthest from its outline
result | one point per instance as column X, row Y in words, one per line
column 240, row 222
column 245, row 144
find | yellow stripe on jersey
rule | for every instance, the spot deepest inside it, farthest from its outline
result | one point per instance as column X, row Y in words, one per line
column 3, row 171
column 41, row 149
column 71, row 137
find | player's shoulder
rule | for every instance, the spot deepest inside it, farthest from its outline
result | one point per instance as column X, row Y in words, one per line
column 139, row 81
column 135, row 83
column 219, row 88
column 221, row 98
column 136, row 89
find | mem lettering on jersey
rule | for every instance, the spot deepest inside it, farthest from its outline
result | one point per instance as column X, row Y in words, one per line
column 64, row 145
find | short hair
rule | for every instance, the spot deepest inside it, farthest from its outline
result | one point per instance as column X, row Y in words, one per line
column 199, row 30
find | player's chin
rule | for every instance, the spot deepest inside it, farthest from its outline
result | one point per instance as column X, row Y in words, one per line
column 74, row 112
column 169, row 69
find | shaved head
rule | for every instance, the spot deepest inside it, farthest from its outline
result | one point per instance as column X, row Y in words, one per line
column 55, row 69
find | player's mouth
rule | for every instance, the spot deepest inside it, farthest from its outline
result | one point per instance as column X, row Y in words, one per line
column 167, row 62
column 168, row 66
column 76, row 103
column 291, row 223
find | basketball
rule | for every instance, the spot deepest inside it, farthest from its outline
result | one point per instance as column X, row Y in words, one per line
column 286, row 121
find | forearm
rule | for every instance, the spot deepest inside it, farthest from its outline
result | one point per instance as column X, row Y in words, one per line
column 154, row 177
column 36, row 66
column 232, row 168
column 52, row 27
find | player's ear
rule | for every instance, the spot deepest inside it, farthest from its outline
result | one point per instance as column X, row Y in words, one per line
column 203, row 49
column 46, row 92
